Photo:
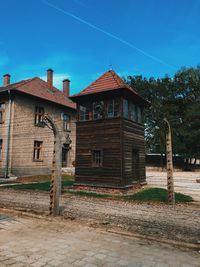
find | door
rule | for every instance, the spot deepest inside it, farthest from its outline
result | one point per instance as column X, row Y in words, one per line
column 65, row 151
column 135, row 165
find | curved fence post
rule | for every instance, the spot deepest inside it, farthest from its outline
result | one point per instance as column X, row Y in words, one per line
column 169, row 158
column 55, row 188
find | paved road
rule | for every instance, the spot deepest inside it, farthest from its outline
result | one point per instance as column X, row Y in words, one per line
column 185, row 182
column 33, row 242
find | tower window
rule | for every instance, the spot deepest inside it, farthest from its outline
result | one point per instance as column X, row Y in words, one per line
column 98, row 110
column 125, row 108
column 139, row 114
column 97, row 158
column 84, row 113
column 133, row 112
column 113, row 108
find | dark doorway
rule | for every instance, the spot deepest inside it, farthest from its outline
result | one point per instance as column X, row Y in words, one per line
column 135, row 164
column 65, row 150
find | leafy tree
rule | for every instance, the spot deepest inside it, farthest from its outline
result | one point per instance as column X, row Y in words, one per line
column 177, row 99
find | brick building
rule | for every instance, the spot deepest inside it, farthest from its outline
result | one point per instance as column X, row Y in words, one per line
column 26, row 146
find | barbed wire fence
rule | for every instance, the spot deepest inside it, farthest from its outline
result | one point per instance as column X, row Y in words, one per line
column 24, row 133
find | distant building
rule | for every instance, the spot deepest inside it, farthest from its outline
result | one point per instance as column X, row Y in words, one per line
column 26, row 148
column 110, row 148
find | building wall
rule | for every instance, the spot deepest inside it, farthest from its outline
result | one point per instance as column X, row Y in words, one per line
column 3, row 134
column 118, row 138
column 133, row 140
column 24, row 133
column 105, row 135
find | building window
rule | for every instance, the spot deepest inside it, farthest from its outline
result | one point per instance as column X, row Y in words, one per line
column 97, row 158
column 1, row 149
column 39, row 113
column 37, row 153
column 66, row 120
column 113, row 108
column 125, row 108
column 133, row 112
column 84, row 113
column 98, row 110
column 2, row 110
column 139, row 114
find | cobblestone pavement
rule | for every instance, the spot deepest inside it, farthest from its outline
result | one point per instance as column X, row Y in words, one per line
column 40, row 242
column 184, row 182
column 162, row 221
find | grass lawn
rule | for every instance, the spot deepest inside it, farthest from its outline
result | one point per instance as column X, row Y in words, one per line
column 39, row 182
column 45, row 186
column 148, row 194
column 157, row 194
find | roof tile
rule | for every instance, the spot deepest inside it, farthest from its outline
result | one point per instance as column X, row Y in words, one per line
column 108, row 81
column 39, row 88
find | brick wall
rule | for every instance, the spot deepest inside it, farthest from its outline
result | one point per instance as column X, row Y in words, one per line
column 3, row 134
column 24, row 133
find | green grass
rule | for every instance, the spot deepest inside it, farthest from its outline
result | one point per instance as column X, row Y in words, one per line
column 148, row 194
column 157, row 194
column 89, row 194
column 45, row 186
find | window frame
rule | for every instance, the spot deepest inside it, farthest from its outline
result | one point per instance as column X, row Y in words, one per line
column 66, row 123
column 100, row 115
column 84, row 113
column 37, row 148
column 139, row 114
column 2, row 111
column 133, row 112
column 39, row 112
column 1, row 150
column 114, row 103
column 126, row 104
column 94, row 158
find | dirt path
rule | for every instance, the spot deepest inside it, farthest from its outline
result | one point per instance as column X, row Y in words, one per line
column 179, row 223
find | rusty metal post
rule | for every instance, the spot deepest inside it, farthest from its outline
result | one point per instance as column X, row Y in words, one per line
column 170, row 179
column 55, row 188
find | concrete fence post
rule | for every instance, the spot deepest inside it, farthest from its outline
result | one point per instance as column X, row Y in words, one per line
column 169, row 159
column 55, row 188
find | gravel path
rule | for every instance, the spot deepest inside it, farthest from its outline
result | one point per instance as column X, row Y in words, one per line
column 159, row 220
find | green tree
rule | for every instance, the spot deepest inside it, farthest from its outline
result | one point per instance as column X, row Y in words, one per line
column 177, row 99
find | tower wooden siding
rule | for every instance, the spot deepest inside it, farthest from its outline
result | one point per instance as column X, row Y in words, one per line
column 133, row 139
column 120, row 137
column 106, row 136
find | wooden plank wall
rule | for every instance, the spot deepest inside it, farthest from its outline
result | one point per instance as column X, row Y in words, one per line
column 99, row 134
column 133, row 138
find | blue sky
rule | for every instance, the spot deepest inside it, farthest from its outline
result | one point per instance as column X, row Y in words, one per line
column 79, row 39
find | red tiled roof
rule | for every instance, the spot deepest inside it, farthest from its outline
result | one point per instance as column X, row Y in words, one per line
column 107, row 82
column 39, row 88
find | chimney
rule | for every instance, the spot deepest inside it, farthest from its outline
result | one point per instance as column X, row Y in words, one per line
column 66, row 83
column 6, row 79
column 50, row 78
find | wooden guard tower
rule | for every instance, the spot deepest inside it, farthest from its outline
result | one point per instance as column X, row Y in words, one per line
column 110, row 148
